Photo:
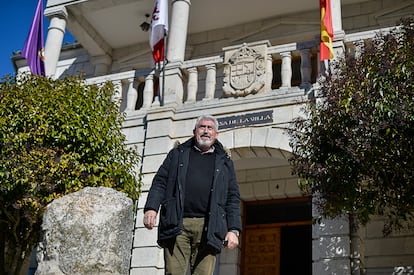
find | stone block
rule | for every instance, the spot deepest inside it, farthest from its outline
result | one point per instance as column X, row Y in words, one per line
column 389, row 246
column 273, row 137
column 246, row 191
column 144, row 237
column 146, row 271
column 242, row 138
column 241, row 176
column 401, row 264
column 276, row 153
column 386, row 271
column 151, row 164
column 261, row 190
column 258, row 175
column 331, row 227
column 228, row 269
column 259, row 136
column 82, row 235
column 226, row 138
column 134, row 134
column 160, row 145
column 228, row 256
column 277, row 189
column 147, row 181
column 292, row 188
column 139, row 218
column 183, row 128
column 284, row 114
column 159, row 128
column 149, row 257
column 281, row 172
column 142, row 199
column 331, row 247
column 245, row 153
column 332, row 267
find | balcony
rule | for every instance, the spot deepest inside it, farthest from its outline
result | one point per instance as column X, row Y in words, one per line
column 287, row 69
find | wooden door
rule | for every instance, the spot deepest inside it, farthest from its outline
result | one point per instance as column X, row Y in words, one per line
column 262, row 251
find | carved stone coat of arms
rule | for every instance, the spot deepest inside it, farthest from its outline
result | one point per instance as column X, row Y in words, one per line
column 244, row 71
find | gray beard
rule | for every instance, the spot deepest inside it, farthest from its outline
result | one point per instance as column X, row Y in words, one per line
column 204, row 143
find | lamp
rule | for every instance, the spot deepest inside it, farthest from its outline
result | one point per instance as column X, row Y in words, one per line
column 145, row 25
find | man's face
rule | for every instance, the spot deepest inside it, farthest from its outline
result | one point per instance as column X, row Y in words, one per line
column 205, row 134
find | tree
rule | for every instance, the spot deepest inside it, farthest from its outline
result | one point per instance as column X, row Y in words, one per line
column 56, row 137
column 355, row 149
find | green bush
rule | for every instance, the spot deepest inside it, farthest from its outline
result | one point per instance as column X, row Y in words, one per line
column 355, row 151
column 56, row 137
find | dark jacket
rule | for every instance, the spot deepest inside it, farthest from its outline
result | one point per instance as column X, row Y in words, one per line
column 167, row 191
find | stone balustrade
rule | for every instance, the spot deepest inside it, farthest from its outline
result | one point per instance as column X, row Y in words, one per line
column 205, row 78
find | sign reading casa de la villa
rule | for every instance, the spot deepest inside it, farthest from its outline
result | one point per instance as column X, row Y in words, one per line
column 245, row 120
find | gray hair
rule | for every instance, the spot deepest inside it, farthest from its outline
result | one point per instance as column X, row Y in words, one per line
column 206, row 117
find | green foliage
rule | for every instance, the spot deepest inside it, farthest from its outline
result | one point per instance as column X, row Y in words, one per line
column 56, row 137
column 356, row 151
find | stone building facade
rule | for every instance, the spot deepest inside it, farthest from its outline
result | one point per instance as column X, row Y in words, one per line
column 252, row 64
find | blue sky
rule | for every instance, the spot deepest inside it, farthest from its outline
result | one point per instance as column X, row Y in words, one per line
column 15, row 20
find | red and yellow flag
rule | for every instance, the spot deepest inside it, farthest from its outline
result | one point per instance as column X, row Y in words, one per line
column 326, row 49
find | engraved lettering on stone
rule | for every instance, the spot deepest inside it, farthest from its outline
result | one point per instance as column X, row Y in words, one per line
column 245, row 120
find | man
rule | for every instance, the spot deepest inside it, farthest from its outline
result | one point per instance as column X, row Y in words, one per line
column 197, row 190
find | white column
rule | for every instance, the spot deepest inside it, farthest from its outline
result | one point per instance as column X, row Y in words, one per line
column 174, row 89
column 192, row 85
column 336, row 16
column 269, row 73
column 339, row 33
column 305, row 68
column 178, row 30
column 286, row 70
column 132, row 95
column 210, row 81
column 56, row 31
column 148, row 91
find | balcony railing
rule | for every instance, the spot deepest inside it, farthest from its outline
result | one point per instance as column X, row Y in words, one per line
column 288, row 66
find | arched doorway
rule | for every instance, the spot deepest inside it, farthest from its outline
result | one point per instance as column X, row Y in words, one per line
column 277, row 216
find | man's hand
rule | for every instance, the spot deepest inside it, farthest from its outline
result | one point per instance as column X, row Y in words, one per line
column 150, row 218
column 232, row 240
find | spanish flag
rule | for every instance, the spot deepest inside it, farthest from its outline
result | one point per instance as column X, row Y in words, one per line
column 326, row 50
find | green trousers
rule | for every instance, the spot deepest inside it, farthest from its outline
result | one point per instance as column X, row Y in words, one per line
column 190, row 250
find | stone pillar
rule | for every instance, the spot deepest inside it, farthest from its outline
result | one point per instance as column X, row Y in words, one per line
column 192, row 85
column 336, row 16
column 330, row 244
column 269, row 73
column 101, row 64
column 210, row 81
column 56, row 31
column 148, row 91
column 178, row 30
column 339, row 33
column 132, row 95
column 286, row 71
column 305, row 68
column 173, row 88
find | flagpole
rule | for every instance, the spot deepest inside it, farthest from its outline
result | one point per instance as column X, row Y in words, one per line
column 163, row 69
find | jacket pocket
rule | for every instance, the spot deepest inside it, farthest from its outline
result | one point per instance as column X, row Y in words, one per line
column 169, row 215
column 220, row 227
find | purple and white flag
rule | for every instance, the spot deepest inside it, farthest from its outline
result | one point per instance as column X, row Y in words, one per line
column 33, row 49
